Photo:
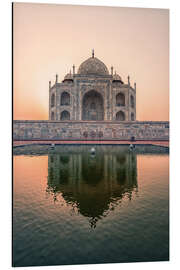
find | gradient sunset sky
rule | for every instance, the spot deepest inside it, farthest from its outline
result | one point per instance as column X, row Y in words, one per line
column 49, row 39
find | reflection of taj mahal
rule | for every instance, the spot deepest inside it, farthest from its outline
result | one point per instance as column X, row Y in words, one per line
column 92, row 94
column 92, row 184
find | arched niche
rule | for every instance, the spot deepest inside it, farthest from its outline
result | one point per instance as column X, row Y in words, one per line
column 93, row 106
column 52, row 115
column 65, row 115
column 132, row 116
column 120, row 116
column 132, row 101
column 53, row 100
column 65, row 99
column 120, row 99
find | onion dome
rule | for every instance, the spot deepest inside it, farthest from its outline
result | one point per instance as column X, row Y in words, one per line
column 68, row 77
column 117, row 78
column 93, row 66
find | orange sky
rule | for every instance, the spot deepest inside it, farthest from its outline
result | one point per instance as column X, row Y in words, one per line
column 49, row 39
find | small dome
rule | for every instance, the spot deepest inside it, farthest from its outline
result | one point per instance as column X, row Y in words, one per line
column 68, row 77
column 116, row 77
column 93, row 66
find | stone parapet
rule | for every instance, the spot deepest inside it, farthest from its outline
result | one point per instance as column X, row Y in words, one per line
column 90, row 130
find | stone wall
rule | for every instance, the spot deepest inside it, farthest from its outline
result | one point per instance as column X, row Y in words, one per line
column 89, row 130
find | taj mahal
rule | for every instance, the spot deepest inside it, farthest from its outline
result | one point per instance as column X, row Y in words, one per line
column 92, row 93
column 91, row 104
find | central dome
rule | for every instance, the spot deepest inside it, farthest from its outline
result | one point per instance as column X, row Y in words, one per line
column 93, row 66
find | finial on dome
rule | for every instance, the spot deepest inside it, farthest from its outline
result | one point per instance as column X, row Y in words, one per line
column 56, row 78
column 92, row 53
column 128, row 80
column 112, row 70
column 73, row 69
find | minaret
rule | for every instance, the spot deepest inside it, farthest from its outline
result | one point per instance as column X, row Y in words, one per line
column 73, row 69
column 135, row 86
column 92, row 53
column 112, row 70
column 128, row 80
column 49, row 85
column 56, row 78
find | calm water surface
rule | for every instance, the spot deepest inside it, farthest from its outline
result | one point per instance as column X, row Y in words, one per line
column 70, row 207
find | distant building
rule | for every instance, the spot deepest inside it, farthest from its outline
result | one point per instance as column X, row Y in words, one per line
column 92, row 94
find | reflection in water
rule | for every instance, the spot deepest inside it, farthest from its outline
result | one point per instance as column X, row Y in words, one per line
column 90, row 191
column 93, row 185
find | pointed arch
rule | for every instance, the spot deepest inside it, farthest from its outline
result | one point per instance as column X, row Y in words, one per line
column 53, row 100
column 52, row 116
column 132, row 101
column 120, row 116
column 65, row 99
column 93, row 106
column 132, row 116
column 120, row 99
column 65, row 115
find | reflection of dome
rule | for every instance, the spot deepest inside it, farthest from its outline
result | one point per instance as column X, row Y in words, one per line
column 93, row 66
